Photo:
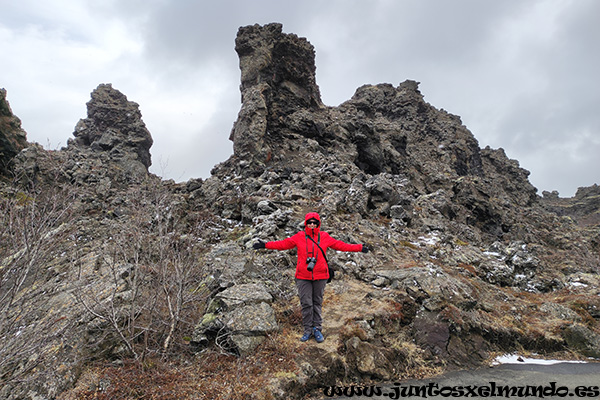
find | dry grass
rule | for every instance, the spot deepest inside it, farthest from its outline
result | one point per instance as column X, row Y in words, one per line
column 211, row 375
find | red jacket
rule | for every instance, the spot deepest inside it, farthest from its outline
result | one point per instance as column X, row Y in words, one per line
column 307, row 248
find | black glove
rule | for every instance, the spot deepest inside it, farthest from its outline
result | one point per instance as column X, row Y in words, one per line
column 259, row 245
column 366, row 248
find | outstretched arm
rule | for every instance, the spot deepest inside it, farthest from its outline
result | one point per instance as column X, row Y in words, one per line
column 284, row 244
column 342, row 246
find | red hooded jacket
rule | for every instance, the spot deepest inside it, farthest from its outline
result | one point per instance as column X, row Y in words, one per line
column 307, row 248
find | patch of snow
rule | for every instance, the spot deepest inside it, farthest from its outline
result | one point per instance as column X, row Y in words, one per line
column 492, row 254
column 432, row 239
column 578, row 284
column 517, row 359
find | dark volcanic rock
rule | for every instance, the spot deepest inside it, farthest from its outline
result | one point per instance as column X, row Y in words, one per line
column 285, row 62
column 583, row 339
column 114, row 125
column 387, row 155
column 13, row 138
column 386, row 140
column 278, row 79
column 111, row 147
column 584, row 207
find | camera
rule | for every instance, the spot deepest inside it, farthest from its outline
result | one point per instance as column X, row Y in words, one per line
column 310, row 261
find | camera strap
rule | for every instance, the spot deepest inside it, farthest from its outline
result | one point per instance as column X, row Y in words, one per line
column 331, row 271
column 313, row 240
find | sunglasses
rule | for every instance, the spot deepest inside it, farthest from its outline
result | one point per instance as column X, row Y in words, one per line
column 312, row 222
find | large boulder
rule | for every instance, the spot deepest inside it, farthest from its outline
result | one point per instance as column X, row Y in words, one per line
column 238, row 318
column 581, row 338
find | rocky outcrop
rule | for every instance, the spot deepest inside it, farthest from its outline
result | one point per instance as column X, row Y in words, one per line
column 467, row 218
column 48, row 331
column 581, row 338
column 386, row 140
column 114, row 125
column 241, row 316
column 584, row 207
column 278, row 79
column 109, row 152
column 13, row 138
column 55, row 299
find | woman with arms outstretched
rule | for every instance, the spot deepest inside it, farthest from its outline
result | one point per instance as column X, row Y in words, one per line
column 312, row 271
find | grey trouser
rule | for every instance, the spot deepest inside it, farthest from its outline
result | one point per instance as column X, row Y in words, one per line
column 311, row 300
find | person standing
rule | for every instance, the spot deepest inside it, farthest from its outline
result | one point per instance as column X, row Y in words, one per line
column 312, row 271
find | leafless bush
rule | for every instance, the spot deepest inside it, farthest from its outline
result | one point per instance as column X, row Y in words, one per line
column 32, row 226
column 154, row 259
column 133, row 260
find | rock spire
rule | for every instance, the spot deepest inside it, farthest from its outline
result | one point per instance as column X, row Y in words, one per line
column 114, row 125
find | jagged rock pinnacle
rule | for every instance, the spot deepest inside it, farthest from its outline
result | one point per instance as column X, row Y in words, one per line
column 114, row 124
column 285, row 62
column 277, row 79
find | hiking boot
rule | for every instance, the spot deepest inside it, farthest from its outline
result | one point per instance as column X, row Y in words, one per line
column 305, row 337
column 318, row 335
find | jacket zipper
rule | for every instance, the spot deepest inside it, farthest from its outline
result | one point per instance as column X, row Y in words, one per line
column 313, row 271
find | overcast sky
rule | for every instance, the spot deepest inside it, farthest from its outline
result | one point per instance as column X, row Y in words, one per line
column 522, row 74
